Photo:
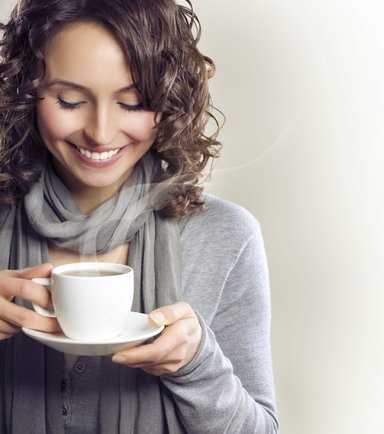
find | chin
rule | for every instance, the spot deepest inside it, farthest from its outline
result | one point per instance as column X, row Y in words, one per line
column 101, row 182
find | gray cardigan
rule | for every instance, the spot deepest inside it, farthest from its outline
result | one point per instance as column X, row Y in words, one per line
column 228, row 387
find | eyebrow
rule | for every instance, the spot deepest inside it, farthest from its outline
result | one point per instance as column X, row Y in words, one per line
column 77, row 86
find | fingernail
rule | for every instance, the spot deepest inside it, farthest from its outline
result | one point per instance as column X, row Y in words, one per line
column 157, row 317
column 118, row 359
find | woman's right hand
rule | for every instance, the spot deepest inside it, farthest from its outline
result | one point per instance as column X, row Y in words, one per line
column 14, row 283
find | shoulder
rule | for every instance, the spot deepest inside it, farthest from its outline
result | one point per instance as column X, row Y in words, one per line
column 221, row 223
column 223, row 240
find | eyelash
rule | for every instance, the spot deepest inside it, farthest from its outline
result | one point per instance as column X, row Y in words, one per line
column 69, row 106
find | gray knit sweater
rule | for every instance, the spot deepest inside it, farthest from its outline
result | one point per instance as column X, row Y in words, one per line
column 228, row 387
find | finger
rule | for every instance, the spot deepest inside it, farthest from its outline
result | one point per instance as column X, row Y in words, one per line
column 162, row 369
column 22, row 317
column 154, row 352
column 26, row 290
column 8, row 328
column 173, row 363
column 41, row 270
column 153, row 371
column 169, row 314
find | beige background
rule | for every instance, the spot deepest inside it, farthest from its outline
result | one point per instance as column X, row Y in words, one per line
column 301, row 84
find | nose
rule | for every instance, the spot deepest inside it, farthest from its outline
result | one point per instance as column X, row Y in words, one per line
column 101, row 127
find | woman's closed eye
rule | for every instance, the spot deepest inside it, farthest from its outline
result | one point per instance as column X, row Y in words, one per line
column 75, row 105
column 128, row 107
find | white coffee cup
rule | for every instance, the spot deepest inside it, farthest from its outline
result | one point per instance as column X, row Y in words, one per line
column 88, row 303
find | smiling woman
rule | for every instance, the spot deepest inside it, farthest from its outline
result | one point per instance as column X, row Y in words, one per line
column 160, row 60
column 89, row 123
column 103, row 106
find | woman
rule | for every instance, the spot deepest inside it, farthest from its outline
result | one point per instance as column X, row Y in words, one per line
column 103, row 110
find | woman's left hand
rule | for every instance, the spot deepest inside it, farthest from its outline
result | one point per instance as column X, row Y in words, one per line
column 173, row 349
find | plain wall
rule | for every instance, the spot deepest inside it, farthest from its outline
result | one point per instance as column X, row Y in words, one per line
column 301, row 85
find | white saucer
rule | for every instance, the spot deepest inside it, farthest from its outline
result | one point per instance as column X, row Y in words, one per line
column 137, row 331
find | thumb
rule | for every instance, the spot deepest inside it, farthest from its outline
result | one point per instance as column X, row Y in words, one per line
column 42, row 270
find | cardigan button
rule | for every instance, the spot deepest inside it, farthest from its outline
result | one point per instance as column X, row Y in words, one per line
column 64, row 385
column 65, row 410
column 80, row 367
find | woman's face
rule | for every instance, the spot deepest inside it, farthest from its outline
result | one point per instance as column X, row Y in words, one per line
column 91, row 119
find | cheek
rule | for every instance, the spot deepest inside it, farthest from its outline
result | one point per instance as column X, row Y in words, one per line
column 51, row 122
column 142, row 127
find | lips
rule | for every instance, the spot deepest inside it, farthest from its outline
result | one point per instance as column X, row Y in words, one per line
column 98, row 156
column 101, row 159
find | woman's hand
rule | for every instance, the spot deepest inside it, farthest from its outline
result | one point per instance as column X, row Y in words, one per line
column 14, row 283
column 173, row 349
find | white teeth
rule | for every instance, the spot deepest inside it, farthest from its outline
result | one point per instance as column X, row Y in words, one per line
column 98, row 155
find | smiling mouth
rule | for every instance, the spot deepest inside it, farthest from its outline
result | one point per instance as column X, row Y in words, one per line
column 98, row 156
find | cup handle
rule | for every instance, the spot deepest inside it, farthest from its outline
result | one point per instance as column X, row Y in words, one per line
column 45, row 281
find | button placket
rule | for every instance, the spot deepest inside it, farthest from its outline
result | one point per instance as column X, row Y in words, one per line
column 65, row 393
column 77, row 372
column 82, row 381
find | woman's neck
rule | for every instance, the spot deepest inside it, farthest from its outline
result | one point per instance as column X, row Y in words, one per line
column 89, row 199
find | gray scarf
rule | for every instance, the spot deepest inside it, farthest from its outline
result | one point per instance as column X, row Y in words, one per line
column 30, row 373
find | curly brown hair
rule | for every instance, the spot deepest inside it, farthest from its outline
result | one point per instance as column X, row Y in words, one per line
column 167, row 68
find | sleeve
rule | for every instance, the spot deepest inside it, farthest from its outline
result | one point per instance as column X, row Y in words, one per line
column 228, row 386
